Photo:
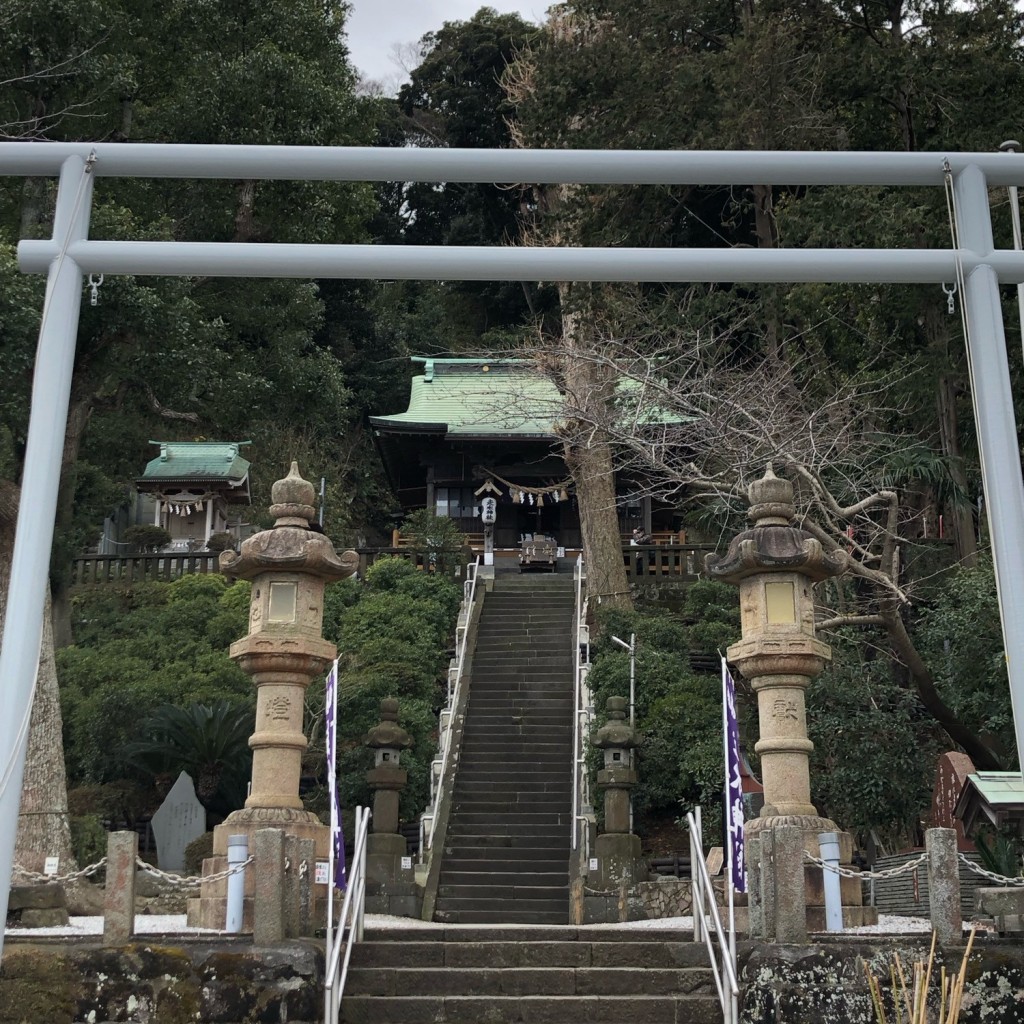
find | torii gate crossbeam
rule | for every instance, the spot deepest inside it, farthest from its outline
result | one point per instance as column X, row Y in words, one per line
column 69, row 254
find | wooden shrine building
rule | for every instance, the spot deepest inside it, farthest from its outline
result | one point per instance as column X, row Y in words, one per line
column 197, row 488
column 478, row 428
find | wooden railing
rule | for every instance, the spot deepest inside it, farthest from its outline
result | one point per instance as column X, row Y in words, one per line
column 140, row 568
column 679, row 561
column 668, row 561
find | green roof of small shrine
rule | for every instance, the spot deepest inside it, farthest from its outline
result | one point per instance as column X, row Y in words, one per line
column 485, row 398
column 198, row 460
column 996, row 788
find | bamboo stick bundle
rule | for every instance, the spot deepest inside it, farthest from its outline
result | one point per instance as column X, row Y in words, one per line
column 910, row 1003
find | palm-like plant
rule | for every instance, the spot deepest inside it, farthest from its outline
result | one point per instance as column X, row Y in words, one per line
column 209, row 741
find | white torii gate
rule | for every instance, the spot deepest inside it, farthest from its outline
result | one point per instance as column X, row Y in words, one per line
column 70, row 254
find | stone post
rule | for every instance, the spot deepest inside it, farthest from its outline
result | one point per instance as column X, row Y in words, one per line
column 768, row 888
column 269, row 924
column 283, row 652
column 119, row 893
column 790, row 904
column 390, row 876
column 616, row 848
column 775, row 564
column 944, row 885
column 755, row 903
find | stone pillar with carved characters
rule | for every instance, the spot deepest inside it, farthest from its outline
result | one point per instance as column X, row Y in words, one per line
column 775, row 564
column 284, row 651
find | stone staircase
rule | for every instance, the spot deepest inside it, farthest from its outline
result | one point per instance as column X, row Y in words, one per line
column 462, row 974
column 506, row 853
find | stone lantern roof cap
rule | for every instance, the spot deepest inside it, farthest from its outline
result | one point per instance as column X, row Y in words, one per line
column 293, row 499
column 616, row 732
column 387, row 732
column 292, row 545
column 773, row 543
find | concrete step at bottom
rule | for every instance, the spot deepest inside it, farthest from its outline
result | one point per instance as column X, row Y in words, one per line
column 503, row 916
column 529, row 981
column 525, row 1009
column 496, row 948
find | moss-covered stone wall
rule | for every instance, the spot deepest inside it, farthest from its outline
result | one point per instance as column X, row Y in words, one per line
column 148, row 983
column 825, row 981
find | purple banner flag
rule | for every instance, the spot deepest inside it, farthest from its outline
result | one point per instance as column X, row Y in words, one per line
column 733, row 785
column 337, row 835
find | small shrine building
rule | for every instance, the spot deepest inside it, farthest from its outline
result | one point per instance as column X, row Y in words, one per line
column 197, row 488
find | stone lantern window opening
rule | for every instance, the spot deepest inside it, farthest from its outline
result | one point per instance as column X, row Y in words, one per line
column 780, row 603
column 283, row 602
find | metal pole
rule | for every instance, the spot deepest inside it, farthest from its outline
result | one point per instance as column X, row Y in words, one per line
column 997, row 429
column 1013, row 146
column 513, row 263
column 238, row 853
column 30, row 564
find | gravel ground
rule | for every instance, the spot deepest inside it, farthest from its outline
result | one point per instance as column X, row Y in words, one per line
column 163, row 923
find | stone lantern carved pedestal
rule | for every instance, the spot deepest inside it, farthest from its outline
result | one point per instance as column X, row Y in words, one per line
column 390, row 877
column 775, row 565
column 289, row 566
column 617, row 849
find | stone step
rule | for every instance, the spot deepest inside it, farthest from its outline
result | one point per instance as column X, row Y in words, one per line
column 511, row 771
column 470, row 789
column 531, row 981
column 526, row 1009
column 483, row 896
column 553, row 845
column 517, row 879
column 540, row 819
column 506, row 913
column 484, row 861
column 482, row 803
column 458, row 947
column 497, row 829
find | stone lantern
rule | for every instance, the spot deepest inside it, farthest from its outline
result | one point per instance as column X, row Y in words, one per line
column 617, row 849
column 289, row 566
column 390, row 876
column 775, row 564
column 387, row 740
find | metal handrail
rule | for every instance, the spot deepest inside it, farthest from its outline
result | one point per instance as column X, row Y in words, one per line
column 455, row 677
column 704, row 904
column 351, row 919
column 581, row 708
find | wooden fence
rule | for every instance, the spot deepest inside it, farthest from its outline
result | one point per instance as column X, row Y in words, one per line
column 681, row 561
column 140, row 568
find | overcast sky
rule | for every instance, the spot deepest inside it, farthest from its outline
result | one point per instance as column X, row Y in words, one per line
column 377, row 27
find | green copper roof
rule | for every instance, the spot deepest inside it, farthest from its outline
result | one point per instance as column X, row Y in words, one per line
column 473, row 398
column 998, row 788
column 492, row 398
column 198, row 460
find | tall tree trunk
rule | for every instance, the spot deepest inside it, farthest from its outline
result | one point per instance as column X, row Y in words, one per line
column 964, row 536
column 43, row 828
column 590, row 388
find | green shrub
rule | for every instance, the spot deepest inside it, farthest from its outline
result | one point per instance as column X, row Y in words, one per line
column 147, row 537
column 88, row 838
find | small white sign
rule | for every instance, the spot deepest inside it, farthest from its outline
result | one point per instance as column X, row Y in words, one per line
column 593, row 863
column 51, row 865
column 406, row 863
column 322, row 873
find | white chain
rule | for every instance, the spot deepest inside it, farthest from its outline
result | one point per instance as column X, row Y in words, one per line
column 853, row 873
column 193, row 879
column 979, row 870
column 36, row 876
